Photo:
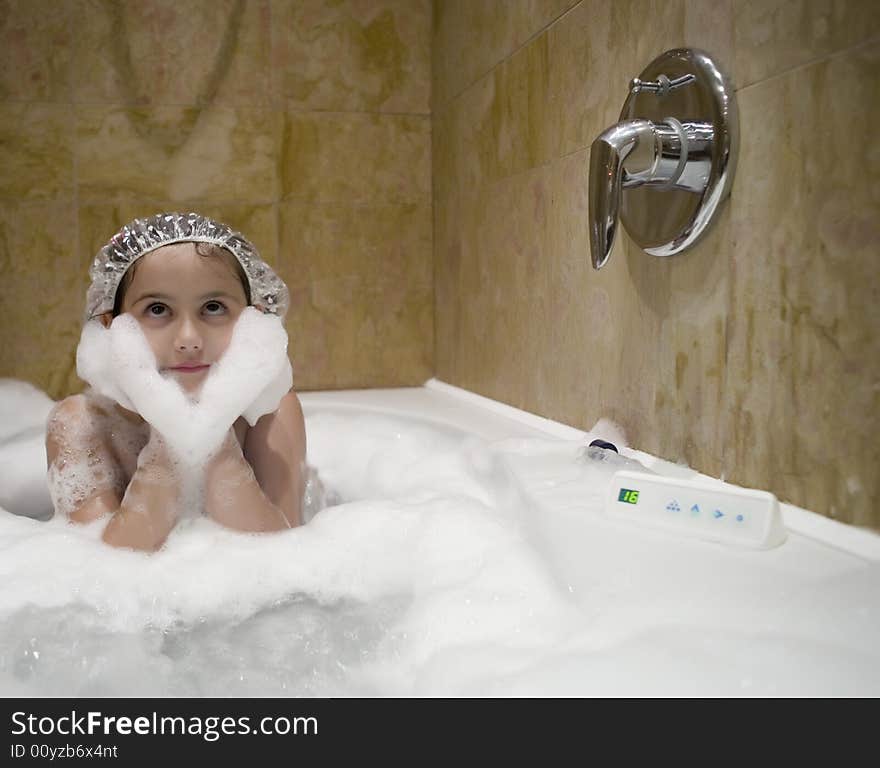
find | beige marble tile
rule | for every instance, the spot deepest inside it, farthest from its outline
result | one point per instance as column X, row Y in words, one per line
column 501, row 286
column 172, row 52
column 641, row 341
column 36, row 151
column 582, row 328
column 557, row 93
column 472, row 36
column 710, row 27
column 42, row 295
column 596, row 374
column 688, row 297
column 804, row 357
column 97, row 222
column 755, row 355
column 588, row 85
column 36, row 43
column 500, row 126
column 352, row 56
column 463, row 156
column 360, row 278
column 584, row 351
column 586, row 89
column 447, row 342
column 447, row 244
column 640, row 31
column 328, row 157
column 514, row 134
column 773, row 36
column 177, row 154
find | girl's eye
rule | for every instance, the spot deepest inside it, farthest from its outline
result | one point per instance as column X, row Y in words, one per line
column 156, row 310
column 214, row 308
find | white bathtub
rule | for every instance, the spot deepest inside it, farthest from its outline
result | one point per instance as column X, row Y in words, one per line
column 470, row 556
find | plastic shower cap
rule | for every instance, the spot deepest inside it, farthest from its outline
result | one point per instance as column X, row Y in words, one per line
column 142, row 236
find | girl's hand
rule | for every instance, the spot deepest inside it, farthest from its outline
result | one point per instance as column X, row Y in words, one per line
column 153, row 501
column 228, row 451
column 234, row 497
column 156, row 452
column 156, row 464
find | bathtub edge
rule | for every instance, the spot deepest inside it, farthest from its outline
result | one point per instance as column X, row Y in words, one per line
column 555, row 428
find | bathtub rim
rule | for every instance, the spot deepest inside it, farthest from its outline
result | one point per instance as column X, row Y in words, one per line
column 471, row 413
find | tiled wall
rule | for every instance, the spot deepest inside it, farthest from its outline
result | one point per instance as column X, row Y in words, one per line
column 755, row 356
column 304, row 123
column 308, row 125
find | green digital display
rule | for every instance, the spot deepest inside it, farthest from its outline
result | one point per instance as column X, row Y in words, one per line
column 628, row 496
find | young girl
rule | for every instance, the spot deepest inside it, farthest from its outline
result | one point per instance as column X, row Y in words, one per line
column 187, row 281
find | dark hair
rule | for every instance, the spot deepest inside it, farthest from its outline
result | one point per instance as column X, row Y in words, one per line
column 202, row 249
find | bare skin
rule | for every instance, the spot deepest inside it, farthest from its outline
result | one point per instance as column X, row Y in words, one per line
column 186, row 305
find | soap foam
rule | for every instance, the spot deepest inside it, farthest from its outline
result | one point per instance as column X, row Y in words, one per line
column 250, row 379
column 494, row 574
column 409, row 577
column 82, row 466
column 23, row 413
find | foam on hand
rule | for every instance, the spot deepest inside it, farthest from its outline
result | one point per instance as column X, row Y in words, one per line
column 254, row 372
column 250, row 379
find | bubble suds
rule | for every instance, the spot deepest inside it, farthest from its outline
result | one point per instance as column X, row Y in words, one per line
column 453, row 567
column 85, row 464
column 322, row 609
column 295, row 647
column 192, row 494
column 249, row 380
column 316, row 495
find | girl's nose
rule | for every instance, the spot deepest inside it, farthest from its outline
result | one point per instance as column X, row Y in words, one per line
column 187, row 337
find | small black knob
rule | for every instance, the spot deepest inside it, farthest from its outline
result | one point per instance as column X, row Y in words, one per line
column 603, row 444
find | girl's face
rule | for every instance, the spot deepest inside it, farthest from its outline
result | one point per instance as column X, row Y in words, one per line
column 186, row 305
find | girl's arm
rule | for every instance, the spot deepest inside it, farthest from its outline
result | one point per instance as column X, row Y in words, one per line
column 260, row 488
column 151, row 505
column 83, row 474
column 79, row 462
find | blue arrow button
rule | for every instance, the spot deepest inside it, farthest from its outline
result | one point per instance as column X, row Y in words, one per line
column 718, row 513
column 695, row 510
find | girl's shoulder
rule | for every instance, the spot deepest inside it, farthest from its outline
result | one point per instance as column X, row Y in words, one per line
column 288, row 416
column 88, row 418
column 76, row 408
column 90, row 406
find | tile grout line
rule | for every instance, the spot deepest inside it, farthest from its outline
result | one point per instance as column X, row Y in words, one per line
column 364, row 203
column 72, row 102
column 585, row 147
column 510, row 55
column 433, row 200
column 812, row 62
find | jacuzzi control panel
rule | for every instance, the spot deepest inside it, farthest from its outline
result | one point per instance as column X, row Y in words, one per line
column 740, row 516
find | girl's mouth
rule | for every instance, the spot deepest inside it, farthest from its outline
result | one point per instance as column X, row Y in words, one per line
column 190, row 368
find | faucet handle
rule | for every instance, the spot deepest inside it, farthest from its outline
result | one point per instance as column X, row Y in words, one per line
column 662, row 85
column 668, row 151
column 662, row 171
column 607, row 155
